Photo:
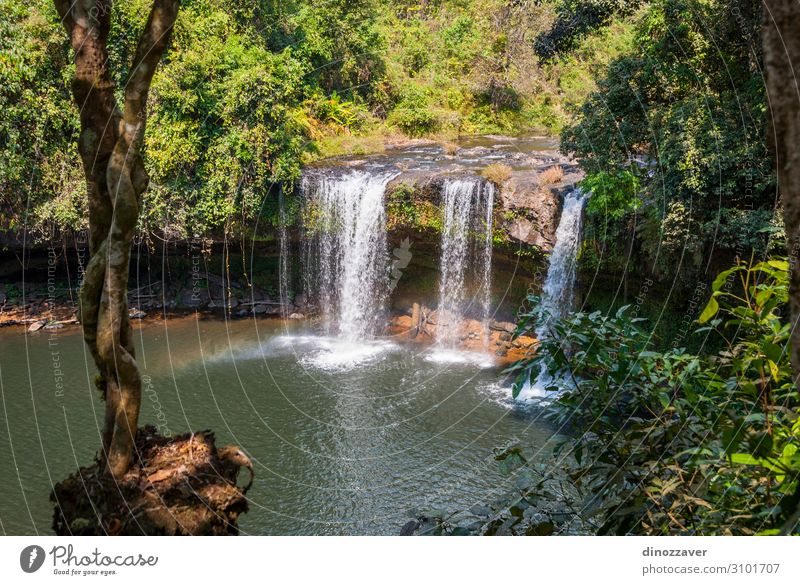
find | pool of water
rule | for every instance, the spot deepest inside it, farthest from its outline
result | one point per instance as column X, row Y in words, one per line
column 345, row 438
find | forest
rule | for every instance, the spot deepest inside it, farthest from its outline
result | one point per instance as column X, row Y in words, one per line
column 589, row 207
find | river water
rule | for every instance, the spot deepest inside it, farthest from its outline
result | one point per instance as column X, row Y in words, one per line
column 346, row 438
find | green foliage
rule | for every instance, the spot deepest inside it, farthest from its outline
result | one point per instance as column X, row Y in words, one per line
column 234, row 107
column 575, row 19
column 685, row 101
column 405, row 208
column 413, row 113
column 41, row 182
column 614, row 194
column 477, row 69
column 607, row 230
column 661, row 442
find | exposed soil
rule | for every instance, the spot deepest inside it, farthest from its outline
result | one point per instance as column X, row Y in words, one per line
column 182, row 485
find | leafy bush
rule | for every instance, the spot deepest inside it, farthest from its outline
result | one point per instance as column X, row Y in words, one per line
column 694, row 118
column 660, row 442
column 614, row 194
column 413, row 113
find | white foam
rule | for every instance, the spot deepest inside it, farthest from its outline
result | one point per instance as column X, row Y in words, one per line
column 454, row 356
column 333, row 354
column 326, row 353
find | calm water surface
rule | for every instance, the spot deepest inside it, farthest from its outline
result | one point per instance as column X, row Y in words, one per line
column 345, row 439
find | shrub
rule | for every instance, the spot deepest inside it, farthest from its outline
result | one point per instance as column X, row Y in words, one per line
column 497, row 173
column 413, row 114
column 660, row 441
column 450, row 148
column 614, row 194
column 551, row 176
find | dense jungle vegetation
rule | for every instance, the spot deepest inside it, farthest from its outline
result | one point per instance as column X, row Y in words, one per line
column 251, row 90
column 675, row 143
column 662, row 103
column 658, row 439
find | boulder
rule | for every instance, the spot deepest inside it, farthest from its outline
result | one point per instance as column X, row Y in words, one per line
column 137, row 314
column 34, row 327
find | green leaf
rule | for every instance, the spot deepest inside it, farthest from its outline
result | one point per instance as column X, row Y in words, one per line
column 744, row 459
column 772, row 351
column 711, row 309
column 722, row 277
column 779, row 264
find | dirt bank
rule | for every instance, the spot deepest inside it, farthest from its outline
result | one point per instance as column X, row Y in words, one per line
column 181, row 485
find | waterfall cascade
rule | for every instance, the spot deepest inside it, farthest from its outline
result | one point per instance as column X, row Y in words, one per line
column 466, row 248
column 559, row 285
column 346, row 250
column 283, row 265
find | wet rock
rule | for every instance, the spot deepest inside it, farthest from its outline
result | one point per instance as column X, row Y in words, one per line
column 137, row 314
column 36, row 326
column 259, row 296
column 502, row 326
column 409, row 528
column 189, row 299
column 297, row 316
column 259, row 309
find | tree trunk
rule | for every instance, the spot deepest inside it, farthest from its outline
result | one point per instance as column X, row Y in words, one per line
column 781, row 40
column 109, row 146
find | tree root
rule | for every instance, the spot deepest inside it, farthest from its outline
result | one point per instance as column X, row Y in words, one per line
column 181, row 485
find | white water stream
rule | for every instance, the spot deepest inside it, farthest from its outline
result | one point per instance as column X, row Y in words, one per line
column 559, row 285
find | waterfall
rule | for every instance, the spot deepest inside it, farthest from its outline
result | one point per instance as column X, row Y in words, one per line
column 466, row 243
column 283, row 264
column 559, row 285
column 346, row 264
column 486, row 287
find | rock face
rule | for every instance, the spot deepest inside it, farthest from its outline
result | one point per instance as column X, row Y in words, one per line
column 532, row 178
column 180, row 486
column 497, row 342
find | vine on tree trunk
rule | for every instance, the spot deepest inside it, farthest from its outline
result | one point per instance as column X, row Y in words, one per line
column 110, row 149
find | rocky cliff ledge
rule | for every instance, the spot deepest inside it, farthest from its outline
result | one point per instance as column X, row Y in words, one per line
column 530, row 174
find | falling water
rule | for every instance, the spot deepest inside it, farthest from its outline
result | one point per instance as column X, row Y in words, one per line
column 486, row 287
column 466, row 243
column 283, row 265
column 347, row 253
column 559, row 284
